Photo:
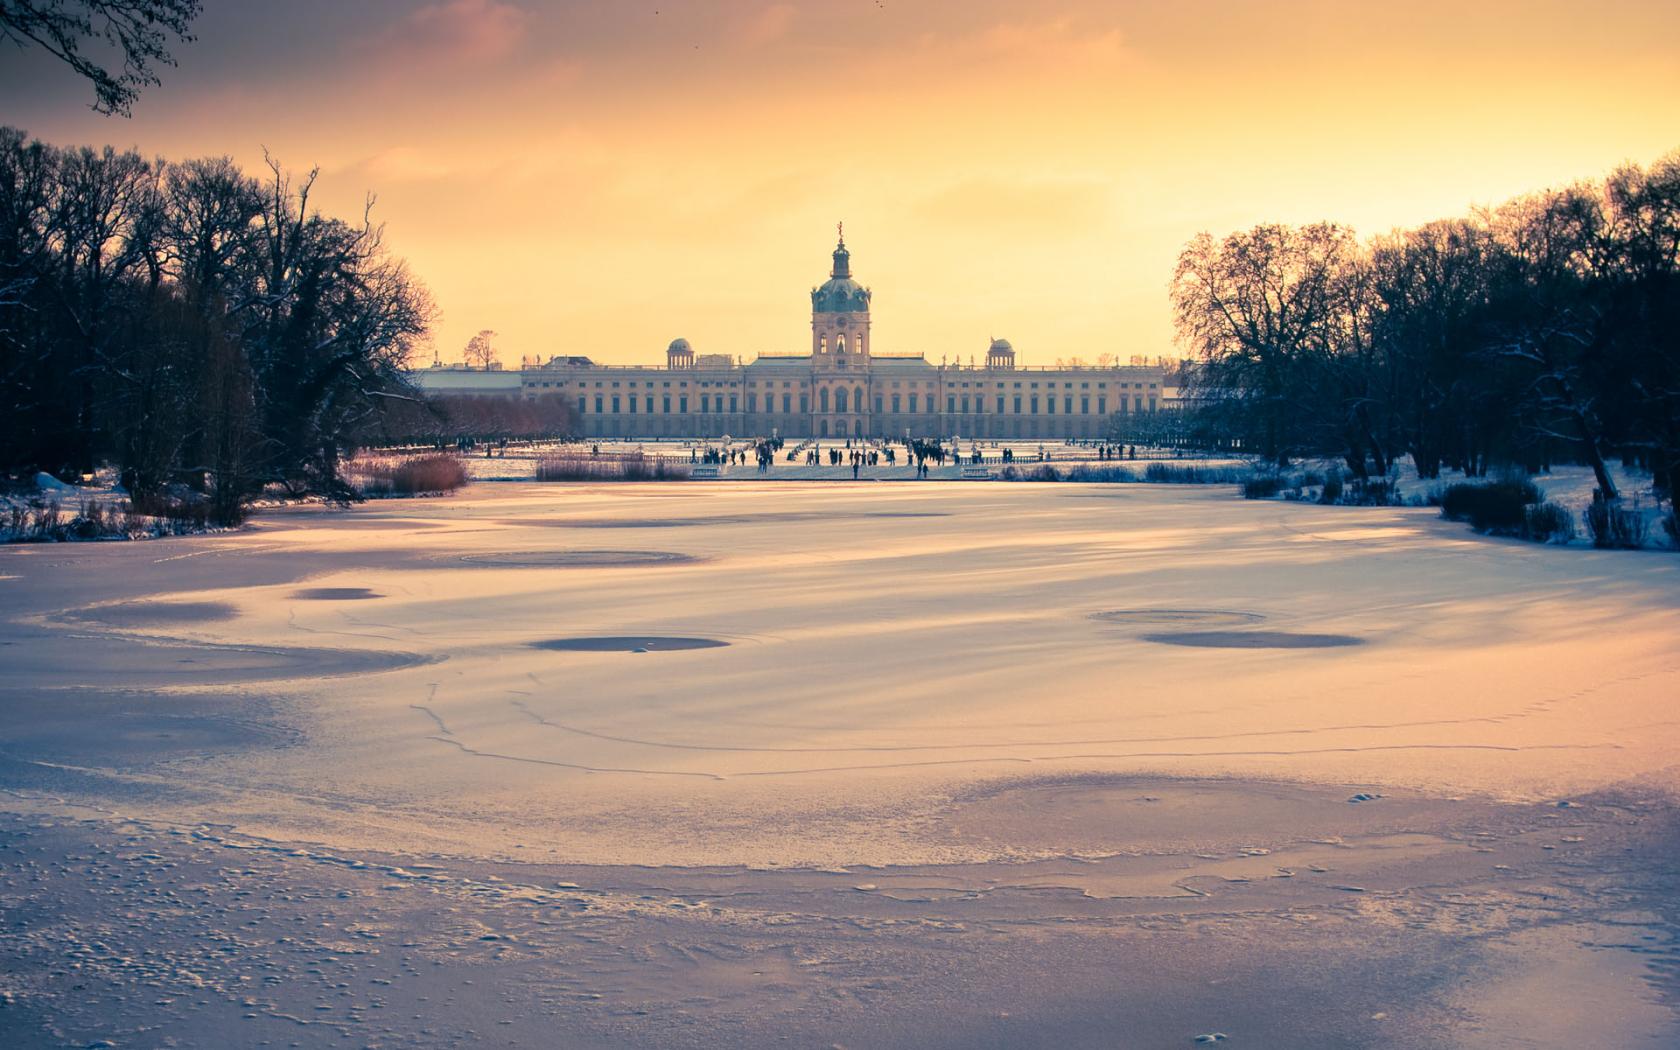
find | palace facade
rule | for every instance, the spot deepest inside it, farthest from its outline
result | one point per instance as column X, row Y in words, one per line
column 842, row 388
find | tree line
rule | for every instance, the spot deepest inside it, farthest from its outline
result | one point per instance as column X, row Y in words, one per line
column 191, row 324
column 1546, row 328
column 441, row 420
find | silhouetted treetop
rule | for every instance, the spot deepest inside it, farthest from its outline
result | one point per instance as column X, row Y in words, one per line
column 137, row 31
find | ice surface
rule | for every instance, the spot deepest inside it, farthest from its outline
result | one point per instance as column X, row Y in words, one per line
column 939, row 730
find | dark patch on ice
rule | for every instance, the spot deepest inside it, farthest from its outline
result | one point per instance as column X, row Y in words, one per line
column 343, row 522
column 771, row 518
column 112, row 728
column 577, row 559
column 146, row 614
column 621, row 523
column 1254, row 640
column 626, row 643
column 1179, row 617
column 335, row 594
column 54, row 660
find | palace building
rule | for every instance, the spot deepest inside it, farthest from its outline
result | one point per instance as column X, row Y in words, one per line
column 841, row 388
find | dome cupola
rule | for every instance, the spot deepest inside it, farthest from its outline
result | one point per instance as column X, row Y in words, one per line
column 840, row 294
column 679, row 354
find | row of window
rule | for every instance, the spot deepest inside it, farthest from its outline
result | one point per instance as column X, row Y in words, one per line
column 786, row 384
column 710, row 403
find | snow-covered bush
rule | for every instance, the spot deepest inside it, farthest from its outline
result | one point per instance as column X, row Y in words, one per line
column 1490, row 506
column 633, row 466
column 408, row 477
column 1372, row 492
column 48, row 523
column 1087, row 472
column 1548, row 523
column 176, row 512
column 1615, row 526
column 1180, row 474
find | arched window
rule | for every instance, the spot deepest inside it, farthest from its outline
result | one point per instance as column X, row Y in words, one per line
column 822, row 400
column 857, row 398
column 840, row 345
column 822, row 344
column 840, row 400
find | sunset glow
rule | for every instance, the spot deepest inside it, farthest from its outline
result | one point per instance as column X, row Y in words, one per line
column 599, row 178
column 881, row 524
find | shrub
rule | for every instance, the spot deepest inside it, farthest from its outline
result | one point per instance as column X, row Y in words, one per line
column 175, row 514
column 1332, row 489
column 1176, row 474
column 1492, row 506
column 632, row 466
column 47, row 524
column 409, row 477
column 1087, row 472
column 1548, row 523
column 1038, row 472
column 1373, row 492
column 1614, row 526
column 1263, row 487
column 1671, row 525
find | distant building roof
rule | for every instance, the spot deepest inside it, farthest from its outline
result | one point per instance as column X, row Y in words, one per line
column 465, row 381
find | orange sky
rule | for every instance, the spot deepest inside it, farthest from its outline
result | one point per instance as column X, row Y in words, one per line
column 599, row 178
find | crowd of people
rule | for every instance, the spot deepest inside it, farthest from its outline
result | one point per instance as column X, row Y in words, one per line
column 920, row 454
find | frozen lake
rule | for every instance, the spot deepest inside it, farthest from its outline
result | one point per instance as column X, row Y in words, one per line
column 959, row 764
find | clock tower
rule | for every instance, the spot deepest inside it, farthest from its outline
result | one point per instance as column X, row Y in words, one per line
column 840, row 317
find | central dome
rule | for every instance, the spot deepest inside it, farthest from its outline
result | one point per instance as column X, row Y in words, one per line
column 840, row 294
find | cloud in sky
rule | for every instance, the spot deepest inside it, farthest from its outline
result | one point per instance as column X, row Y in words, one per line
column 766, row 25
column 462, row 31
column 591, row 176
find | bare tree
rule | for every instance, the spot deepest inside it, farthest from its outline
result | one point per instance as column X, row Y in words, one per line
column 99, row 232
column 1643, row 220
column 1431, row 290
column 1255, row 307
column 1548, row 318
column 138, row 30
column 480, row 351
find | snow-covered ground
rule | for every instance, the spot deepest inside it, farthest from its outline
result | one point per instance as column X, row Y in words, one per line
column 1570, row 486
column 1072, row 734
